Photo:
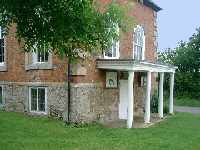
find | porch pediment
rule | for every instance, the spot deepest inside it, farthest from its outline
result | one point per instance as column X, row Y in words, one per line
column 133, row 65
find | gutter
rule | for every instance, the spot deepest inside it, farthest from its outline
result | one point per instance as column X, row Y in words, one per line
column 152, row 5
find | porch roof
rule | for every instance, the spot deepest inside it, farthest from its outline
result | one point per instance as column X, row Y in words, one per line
column 133, row 65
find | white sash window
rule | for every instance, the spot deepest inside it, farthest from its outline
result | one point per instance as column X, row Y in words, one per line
column 113, row 52
column 139, row 43
column 38, row 99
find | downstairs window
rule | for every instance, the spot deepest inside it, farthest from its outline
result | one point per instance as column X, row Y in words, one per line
column 38, row 99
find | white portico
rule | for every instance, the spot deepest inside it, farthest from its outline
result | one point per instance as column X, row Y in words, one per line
column 132, row 66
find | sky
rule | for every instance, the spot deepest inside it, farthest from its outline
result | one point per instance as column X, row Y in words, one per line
column 177, row 21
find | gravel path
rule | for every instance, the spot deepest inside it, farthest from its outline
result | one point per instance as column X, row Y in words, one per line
column 194, row 110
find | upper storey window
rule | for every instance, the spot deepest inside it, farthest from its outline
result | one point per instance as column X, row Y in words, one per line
column 113, row 52
column 2, row 46
column 139, row 43
column 40, row 57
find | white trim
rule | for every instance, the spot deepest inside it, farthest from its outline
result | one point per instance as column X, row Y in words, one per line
column 38, row 112
column 134, row 66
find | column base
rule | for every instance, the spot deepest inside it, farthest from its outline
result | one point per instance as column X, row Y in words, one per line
column 147, row 122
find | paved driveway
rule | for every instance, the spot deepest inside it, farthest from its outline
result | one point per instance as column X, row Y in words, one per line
column 194, row 110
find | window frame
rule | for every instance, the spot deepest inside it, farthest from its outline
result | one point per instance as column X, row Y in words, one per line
column 115, row 43
column 30, row 100
column 112, row 49
column 4, row 56
column 2, row 94
column 135, row 55
column 35, row 57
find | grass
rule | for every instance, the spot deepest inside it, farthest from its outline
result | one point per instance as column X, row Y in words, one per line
column 185, row 101
column 19, row 132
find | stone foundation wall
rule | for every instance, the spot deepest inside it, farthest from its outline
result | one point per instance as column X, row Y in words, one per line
column 89, row 101
column 139, row 98
column 92, row 102
column 16, row 96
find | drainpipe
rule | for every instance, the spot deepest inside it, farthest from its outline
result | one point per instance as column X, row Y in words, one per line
column 69, row 88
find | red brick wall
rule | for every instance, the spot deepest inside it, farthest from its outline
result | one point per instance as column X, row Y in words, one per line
column 143, row 16
column 16, row 58
column 16, row 65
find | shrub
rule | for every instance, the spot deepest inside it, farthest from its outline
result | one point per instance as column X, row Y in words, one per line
column 154, row 103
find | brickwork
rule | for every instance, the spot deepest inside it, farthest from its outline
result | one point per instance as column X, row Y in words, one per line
column 90, row 100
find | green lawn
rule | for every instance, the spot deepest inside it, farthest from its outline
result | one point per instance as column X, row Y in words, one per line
column 184, row 101
column 19, row 132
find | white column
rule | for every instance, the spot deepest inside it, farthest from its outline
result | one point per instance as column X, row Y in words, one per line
column 148, row 97
column 171, row 97
column 160, row 104
column 130, row 99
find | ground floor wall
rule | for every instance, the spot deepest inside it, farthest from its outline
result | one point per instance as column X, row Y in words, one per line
column 92, row 102
column 16, row 96
column 89, row 101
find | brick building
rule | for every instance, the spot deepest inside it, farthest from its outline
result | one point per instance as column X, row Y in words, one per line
column 105, row 87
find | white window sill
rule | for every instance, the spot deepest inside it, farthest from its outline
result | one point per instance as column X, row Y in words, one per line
column 39, row 66
column 2, row 63
column 38, row 113
column 3, row 67
column 110, row 57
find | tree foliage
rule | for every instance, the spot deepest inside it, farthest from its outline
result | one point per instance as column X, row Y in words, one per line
column 187, row 58
column 64, row 26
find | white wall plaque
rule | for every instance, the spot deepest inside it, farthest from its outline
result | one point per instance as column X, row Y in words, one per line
column 111, row 79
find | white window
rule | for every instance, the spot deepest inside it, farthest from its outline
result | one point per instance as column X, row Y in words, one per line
column 38, row 99
column 139, row 43
column 2, row 46
column 40, row 57
column 1, row 95
column 113, row 52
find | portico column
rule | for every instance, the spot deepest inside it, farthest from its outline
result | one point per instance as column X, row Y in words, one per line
column 171, row 97
column 130, row 99
column 148, row 97
column 160, row 104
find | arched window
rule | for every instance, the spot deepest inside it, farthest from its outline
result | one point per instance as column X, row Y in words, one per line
column 139, row 43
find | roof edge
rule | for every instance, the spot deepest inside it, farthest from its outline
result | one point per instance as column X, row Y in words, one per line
column 152, row 5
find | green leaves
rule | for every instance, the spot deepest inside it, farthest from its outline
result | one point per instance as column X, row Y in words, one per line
column 64, row 25
column 187, row 57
